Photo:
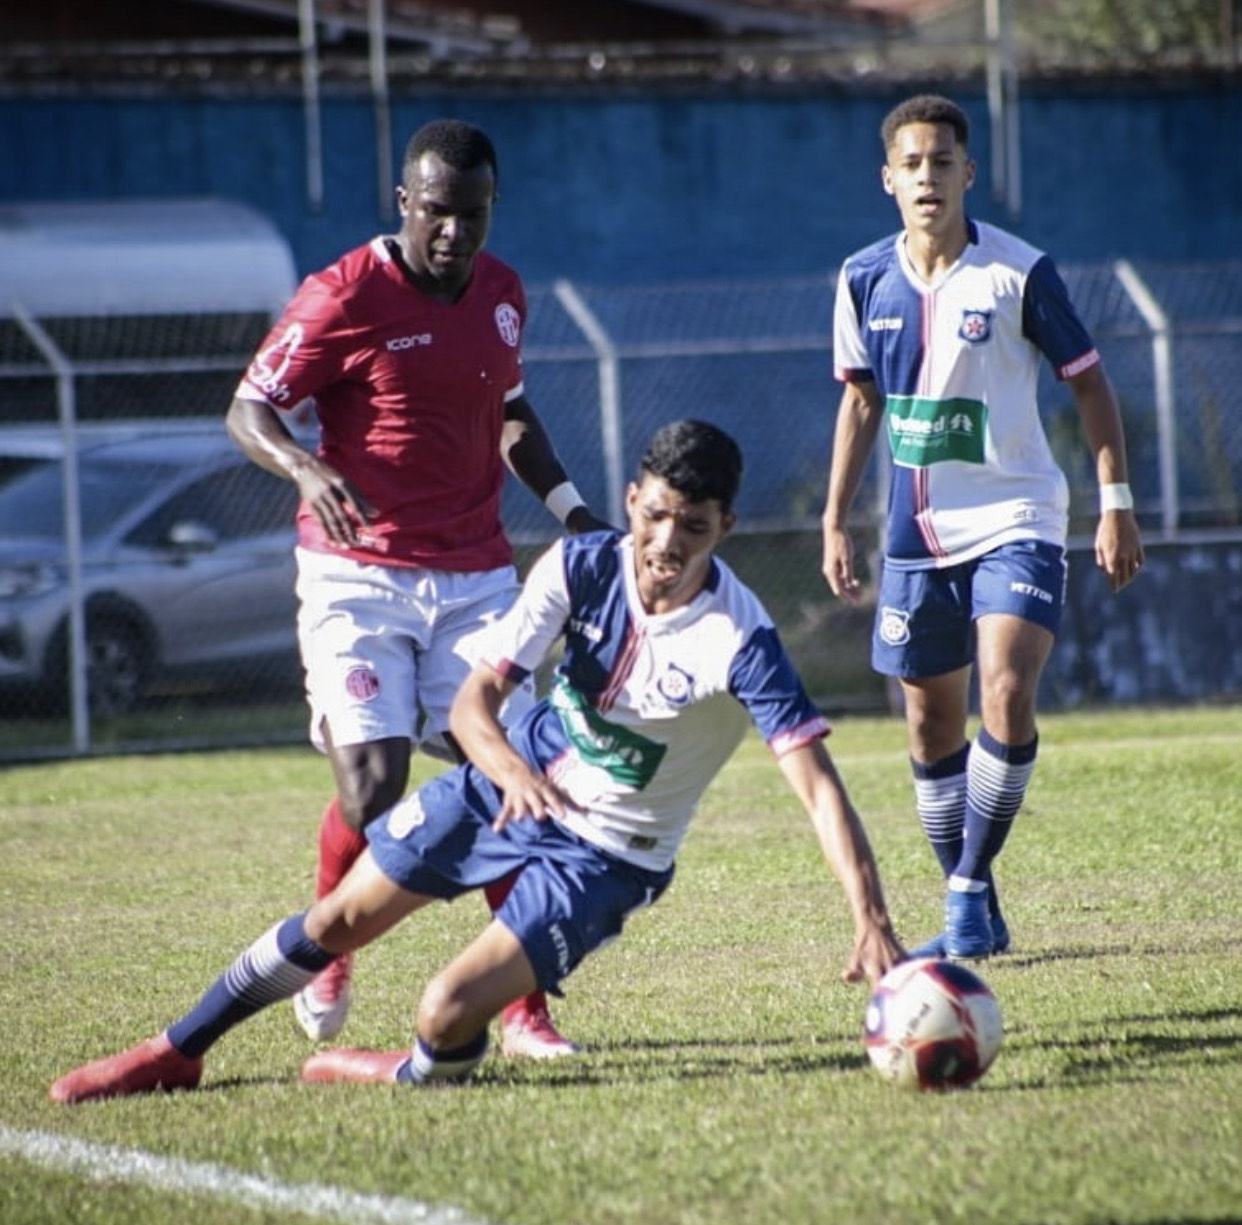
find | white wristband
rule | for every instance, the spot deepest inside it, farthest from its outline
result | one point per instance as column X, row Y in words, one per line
column 1116, row 497
column 564, row 500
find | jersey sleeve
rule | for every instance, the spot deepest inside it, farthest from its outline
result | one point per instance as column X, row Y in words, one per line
column 764, row 680
column 851, row 362
column 524, row 637
column 303, row 352
column 1050, row 322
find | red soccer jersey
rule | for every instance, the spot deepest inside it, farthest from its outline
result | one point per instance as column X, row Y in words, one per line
column 410, row 394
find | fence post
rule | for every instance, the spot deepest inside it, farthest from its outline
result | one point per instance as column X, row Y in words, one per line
column 67, row 406
column 609, row 395
column 1162, row 370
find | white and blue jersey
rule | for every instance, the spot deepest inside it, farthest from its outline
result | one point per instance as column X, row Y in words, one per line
column 645, row 708
column 957, row 363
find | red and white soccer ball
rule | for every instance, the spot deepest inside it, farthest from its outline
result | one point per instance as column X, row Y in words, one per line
column 932, row 1025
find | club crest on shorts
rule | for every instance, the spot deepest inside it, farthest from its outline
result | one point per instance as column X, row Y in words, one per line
column 362, row 684
column 976, row 326
column 406, row 817
column 894, row 626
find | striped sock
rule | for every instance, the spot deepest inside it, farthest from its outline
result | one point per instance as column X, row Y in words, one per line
column 996, row 782
column 426, row 1066
column 275, row 967
column 940, row 801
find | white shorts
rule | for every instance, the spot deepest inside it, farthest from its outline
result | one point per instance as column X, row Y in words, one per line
column 385, row 648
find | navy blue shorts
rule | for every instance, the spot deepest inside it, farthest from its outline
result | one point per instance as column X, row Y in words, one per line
column 570, row 899
column 925, row 619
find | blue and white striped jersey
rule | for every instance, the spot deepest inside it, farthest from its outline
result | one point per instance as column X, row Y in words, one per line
column 957, row 362
column 645, row 709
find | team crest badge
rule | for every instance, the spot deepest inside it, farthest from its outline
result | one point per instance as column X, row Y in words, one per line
column 976, row 326
column 675, row 686
column 508, row 324
column 894, row 626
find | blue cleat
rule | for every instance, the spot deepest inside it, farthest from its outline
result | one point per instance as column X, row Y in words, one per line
column 1000, row 933
column 967, row 926
column 937, row 947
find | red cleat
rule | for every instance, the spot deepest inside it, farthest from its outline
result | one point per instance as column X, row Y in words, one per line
column 321, row 1007
column 348, row 1065
column 527, row 1031
column 150, row 1067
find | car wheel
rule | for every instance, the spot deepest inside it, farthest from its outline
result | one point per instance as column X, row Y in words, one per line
column 116, row 669
column 118, row 662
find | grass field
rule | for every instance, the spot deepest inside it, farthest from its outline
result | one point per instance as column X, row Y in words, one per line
column 724, row 1080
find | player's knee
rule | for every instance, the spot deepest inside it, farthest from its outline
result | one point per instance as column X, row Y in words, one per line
column 446, row 1016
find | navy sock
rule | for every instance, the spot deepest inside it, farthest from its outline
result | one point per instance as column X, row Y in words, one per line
column 940, row 801
column 996, row 782
column 275, row 967
column 425, row 1065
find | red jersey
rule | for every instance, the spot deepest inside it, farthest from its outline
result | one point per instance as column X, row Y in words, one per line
column 410, row 394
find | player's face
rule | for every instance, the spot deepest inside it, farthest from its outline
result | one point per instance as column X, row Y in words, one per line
column 673, row 542
column 928, row 174
column 446, row 214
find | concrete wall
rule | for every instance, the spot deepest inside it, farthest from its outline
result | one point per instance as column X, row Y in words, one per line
column 674, row 187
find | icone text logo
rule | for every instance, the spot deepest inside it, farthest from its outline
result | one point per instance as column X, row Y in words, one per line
column 397, row 343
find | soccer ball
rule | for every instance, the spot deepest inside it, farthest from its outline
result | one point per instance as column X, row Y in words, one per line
column 932, row 1025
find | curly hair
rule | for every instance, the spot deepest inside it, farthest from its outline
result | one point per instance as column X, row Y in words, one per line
column 455, row 142
column 697, row 459
column 926, row 108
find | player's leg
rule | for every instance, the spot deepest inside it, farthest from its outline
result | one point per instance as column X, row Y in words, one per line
column 467, row 605
column 936, row 710
column 361, row 685
column 568, row 901
column 370, row 779
column 1017, row 594
column 923, row 637
column 1012, row 655
column 274, row 967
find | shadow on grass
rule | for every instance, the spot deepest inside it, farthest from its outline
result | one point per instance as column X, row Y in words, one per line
column 650, row 1060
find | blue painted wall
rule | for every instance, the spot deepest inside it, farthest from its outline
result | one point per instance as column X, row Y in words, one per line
column 629, row 189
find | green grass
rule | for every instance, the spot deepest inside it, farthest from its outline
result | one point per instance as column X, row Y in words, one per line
column 725, row 1079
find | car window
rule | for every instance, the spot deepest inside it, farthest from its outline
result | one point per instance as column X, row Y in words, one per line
column 32, row 504
column 235, row 502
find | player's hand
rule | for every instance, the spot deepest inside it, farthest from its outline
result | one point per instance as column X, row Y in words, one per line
column 527, row 793
column 1119, row 547
column 876, row 951
column 337, row 504
column 838, row 565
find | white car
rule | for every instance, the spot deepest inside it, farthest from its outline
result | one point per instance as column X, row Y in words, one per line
column 187, row 570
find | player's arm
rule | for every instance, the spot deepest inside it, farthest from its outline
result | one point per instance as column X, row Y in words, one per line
column 475, row 723
column 529, row 454
column 814, row 778
column 256, row 427
column 858, row 422
column 1118, row 543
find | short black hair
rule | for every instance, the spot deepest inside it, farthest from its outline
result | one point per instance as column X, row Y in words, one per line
column 697, row 459
column 926, row 108
column 455, row 142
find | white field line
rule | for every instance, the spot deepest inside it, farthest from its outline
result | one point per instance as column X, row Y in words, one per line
column 106, row 1162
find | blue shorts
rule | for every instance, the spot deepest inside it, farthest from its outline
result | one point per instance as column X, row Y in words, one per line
column 925, row 619
column 570, row 899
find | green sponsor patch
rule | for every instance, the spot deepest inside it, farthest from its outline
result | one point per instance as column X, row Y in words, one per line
column 923, row 431
column 626, row 756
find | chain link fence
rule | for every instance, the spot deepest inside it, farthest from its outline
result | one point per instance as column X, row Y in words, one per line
column 136, row 623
